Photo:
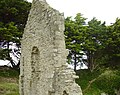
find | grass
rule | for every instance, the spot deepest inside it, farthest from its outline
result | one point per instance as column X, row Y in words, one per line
column 93, row 83
column 9, row 88
column 9, row 82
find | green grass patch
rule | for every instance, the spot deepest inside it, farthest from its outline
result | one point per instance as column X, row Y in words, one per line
column 9, row 81
column 9, row 88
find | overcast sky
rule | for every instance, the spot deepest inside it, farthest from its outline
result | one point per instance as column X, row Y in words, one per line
column 104, row 10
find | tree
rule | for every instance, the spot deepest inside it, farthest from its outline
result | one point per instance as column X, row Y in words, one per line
column 94, row 43
column 74, row 31
column 112, row 49
column 13, row 17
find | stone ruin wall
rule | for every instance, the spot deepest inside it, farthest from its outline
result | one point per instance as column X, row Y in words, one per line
column 43, row 70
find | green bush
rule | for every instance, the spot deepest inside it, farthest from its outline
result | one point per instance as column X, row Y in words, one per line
column 97, row 82
column 85, row 77
column 8, row 72
column 108, row 82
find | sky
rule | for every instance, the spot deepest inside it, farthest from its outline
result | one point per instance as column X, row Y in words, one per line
column 104, row 10
column 4, row 62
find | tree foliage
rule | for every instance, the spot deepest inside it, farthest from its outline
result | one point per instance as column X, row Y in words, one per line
column 112, row 49
column 94, row 43
column 13, row 16
column 74, row 31
column 101, row 46
column 82, row 39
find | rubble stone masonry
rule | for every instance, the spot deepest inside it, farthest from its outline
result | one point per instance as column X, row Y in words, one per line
column 43, row 69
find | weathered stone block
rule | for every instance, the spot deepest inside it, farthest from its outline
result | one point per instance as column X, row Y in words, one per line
column 43, row 69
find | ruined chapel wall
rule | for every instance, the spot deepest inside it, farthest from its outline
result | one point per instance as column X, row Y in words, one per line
column 43, row 70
